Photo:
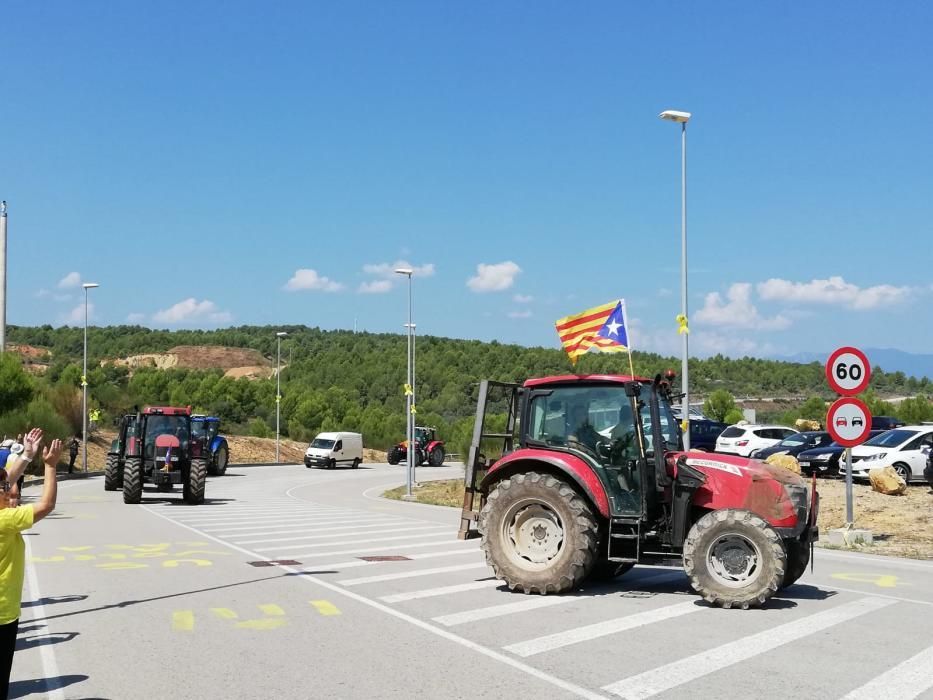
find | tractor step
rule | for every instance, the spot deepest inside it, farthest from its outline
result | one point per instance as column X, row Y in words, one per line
column 624, row 539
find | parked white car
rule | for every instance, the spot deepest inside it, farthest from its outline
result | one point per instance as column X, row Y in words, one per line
column 903, row 448
column 743, row 439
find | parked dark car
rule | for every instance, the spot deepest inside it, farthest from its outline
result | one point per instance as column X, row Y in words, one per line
column 703, row 434
column 824, row 461
column 795, row 444
column 885, row 423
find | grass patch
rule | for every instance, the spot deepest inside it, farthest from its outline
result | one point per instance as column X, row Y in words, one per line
column 437, row 493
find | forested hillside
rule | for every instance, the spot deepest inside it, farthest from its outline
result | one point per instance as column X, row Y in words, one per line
column 354, row 381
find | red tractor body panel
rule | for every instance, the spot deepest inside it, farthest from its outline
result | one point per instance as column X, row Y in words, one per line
column 581, row 472
column 432, row 445
column 741, row 482
column 167, row 411
column 577, row 378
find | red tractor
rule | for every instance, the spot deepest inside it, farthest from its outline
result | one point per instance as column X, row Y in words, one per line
column 427, row 448
column 161, row 450
column 598, row 482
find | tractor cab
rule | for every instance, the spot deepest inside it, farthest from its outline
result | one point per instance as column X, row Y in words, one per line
column 424, row 436
column 205, row 428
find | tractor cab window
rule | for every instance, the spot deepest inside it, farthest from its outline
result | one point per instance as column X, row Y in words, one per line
column 422, row 436
column 670, row 432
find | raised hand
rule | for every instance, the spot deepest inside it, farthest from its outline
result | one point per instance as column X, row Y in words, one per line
column 51, row 454
column 31, row 443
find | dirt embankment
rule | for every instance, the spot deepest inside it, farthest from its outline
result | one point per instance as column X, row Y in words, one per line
column 35, row 360
column 236, row 362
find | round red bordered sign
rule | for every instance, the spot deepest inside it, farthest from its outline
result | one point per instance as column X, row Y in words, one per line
column 849, row 421
column 848, row 371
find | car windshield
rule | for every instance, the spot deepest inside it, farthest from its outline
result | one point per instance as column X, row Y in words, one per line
column 322, row 444
column 892, row 438
column 794, row 440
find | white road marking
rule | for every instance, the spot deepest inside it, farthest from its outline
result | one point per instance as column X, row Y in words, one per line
column 303, row 524
column 391, row 538
column 443, row 590
column 677, row 673
column 524, row 605
column 351, row 531
column 903, row 682
column 408, row 574
column 421, row 624
column 46, row 651
column 364, row 550
column 353, row 563
column 601, row 629
column 274, row 520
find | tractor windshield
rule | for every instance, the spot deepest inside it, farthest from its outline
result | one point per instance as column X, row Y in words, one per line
column 204, row 429
column 422, row 436
column 157, row 425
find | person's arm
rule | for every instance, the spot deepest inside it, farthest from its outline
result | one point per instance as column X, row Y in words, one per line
column 16, row 464
column 46, row 502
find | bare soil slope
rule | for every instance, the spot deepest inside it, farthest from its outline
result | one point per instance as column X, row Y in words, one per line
column 236, row 362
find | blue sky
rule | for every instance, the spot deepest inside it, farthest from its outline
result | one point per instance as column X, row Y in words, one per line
column 227, row 163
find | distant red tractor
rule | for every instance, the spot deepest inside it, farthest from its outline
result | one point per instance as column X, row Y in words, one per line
column 427, row 448
column 596, row 481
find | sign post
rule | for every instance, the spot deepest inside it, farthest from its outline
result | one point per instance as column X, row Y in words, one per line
column 848, row 419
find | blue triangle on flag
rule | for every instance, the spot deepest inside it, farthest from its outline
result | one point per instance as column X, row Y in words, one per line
column 614, row 327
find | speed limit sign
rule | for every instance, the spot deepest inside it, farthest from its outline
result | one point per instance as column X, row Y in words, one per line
column 848, row 371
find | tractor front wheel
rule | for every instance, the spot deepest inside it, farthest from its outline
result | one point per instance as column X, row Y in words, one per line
column 112, row 473
column 798, row 556
column 539, row 535
column 194, row 484
column 437, row 456
column 219, row 462
column 734, row 559
column 394, row 456
column 133, row 480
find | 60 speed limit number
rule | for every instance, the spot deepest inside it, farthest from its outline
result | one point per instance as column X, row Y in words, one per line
column 848, row 371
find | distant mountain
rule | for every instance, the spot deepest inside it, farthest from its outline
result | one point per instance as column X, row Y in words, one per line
column 888, row 359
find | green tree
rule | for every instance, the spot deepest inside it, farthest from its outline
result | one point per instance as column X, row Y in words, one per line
column 16, row 387
column 718, row 405
column 813, row 408
column 733, row 416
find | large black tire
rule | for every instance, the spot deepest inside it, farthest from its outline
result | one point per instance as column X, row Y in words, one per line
column 356, row 464
column 798, row 556
column 734, row 559
column 194, row 485
column 113, row 478
column 437, row 456
column 539, row 535
column 394, row 455
column 219, row 461
column 132, row 480
column 419, row 456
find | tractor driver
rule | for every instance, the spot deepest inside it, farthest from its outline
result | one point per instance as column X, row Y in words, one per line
column 580, row 430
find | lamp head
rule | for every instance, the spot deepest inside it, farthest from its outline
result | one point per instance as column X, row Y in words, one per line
column 281, row 334
column 404, row 271
column 90, row 285
column 673, row 115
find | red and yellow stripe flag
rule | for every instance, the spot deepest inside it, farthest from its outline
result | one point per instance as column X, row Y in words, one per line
column 602, row 328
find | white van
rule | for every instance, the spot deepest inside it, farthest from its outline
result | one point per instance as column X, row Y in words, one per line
column 330, row 449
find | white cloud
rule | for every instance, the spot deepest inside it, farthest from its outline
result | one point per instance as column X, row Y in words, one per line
column 523, row 298
column 519, row 314
column 191, row 310
column 834, row 290
column 375, row 287
column 135, row 318
column 703, row 343
column 76, row 315
column 70, row 281
column 494, row 277
column 738, row 311
column 305, row 279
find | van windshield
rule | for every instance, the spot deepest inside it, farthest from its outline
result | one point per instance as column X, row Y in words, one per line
column 321, row 444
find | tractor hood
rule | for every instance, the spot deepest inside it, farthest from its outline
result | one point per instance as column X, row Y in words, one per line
column 772, row 492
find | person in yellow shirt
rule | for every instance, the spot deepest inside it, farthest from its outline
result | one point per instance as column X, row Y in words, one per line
column 13, row 520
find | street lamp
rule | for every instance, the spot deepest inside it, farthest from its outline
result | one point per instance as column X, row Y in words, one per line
column 682, row 118
column 87, row 286
column 410, row 389
column 278, row 387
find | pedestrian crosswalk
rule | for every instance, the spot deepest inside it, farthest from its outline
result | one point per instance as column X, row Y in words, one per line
column 651, row 635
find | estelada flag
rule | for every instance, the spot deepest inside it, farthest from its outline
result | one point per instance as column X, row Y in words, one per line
column 601, row 328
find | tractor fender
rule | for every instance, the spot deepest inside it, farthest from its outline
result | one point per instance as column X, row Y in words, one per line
column 559, row 464
column 433, row 444
column 217, row 442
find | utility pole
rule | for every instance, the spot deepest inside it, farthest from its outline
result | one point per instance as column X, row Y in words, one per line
column 2, row 277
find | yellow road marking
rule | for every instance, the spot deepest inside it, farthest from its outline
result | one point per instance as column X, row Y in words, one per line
column 172, row 563
column 880, row 580
column 325, row 607
column 271, row 609
column 56, row 557
column 122, row 565
column 183, row 620
column 225, row 613
column 76, row 549
column 83, row 557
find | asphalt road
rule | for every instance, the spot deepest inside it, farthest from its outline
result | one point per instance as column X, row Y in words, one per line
column 164, row 600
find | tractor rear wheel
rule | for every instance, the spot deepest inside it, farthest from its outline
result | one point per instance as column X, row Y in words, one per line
column 798, row 556
column 194, row 484
column 133, row 480
column 394, row 456
column 112, row 475
column 437, row 456
column 219, row 462
column 539, row 535
column 419, row 456
column 734, row 558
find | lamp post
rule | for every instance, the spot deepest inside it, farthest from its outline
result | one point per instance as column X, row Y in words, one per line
column 87, row 286
column 278, row 387
column 410, row 391
column 682, row 118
